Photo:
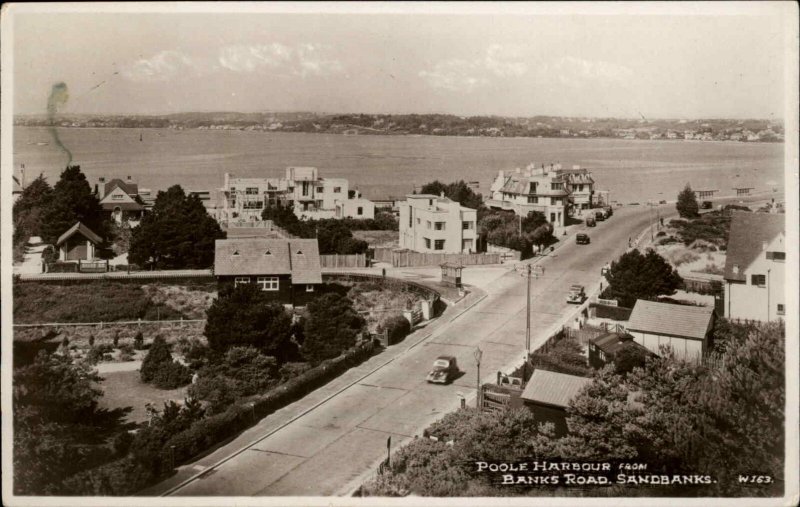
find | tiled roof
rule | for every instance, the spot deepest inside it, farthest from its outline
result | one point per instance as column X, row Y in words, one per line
column 130, row 188
column 553, row 388
column 669, row 319
column 748, row 233
column 79, row 228
column 611, row 343
column 264, row 256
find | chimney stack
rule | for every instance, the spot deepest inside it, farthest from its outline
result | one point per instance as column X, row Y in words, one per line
column 101, row 191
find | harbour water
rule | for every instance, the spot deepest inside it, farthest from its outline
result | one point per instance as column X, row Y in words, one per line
column 384, row 166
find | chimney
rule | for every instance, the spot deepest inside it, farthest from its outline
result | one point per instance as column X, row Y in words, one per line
column 22, row 176
column 101, row 192
column 226, row 181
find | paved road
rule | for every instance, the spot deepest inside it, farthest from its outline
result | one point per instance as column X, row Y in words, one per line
column 328, row 450
column 331, row 446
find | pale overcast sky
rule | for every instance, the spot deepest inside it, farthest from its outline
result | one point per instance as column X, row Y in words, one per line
column 516, row 65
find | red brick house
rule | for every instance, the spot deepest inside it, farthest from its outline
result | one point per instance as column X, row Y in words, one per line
column 287, row 270
column 78, row 243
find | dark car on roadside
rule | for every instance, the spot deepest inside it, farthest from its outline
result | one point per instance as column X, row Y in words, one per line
column 590, row 222
column 444, row 370
column 599, row 216
column 582, row 239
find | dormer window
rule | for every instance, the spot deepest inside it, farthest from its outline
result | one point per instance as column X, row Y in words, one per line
column 267, row 253
column 299, row 252
column 236, row 252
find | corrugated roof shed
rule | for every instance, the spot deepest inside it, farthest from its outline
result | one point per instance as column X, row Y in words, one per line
column 553, row 388
column 669, row 319
column 748, row 233
column 82, row 229
column 266, row 256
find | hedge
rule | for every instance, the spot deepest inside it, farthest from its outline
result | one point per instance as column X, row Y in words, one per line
column 611, row 312
column 215, row 429
column 397, row 327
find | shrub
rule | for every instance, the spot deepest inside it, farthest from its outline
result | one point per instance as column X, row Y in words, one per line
column 122, row 443
column 98, row 353
column 291, row 370
column 138, row 341
column 331, row 327
column 116, row 338
column 126, row 352
column 397, row 327
column 160, row 369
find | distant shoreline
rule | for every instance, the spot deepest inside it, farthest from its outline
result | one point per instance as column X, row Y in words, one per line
column 391, row 134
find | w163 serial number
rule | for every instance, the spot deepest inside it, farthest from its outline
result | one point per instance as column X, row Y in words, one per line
column 755, row 479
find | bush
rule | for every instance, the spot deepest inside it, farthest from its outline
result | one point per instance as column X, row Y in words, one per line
column 291, row 370
column 161, row 370
column 122, row 443
column 98, row 353
column 564, row 357
column 397, row 327
column 126, row 352
column 330, row 328
column 138, row 341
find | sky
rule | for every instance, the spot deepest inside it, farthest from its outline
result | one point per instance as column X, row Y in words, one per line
column 498, row 63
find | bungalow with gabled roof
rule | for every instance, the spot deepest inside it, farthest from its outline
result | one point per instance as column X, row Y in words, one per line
column 287, row 270
column 78, row 243
column 686, row 329
column 120, row 200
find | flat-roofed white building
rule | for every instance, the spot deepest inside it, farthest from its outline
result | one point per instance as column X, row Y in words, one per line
column 430, row 223
column 311, row 196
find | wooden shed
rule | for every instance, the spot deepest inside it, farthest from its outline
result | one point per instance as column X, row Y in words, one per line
column 78, row 243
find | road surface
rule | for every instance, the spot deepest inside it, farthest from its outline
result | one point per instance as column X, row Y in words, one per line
column 332, row 446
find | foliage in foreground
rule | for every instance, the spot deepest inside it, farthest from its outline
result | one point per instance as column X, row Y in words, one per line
column 676, row 417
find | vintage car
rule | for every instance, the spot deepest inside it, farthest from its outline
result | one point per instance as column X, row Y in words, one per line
column 576, row 294
column 599, row 216
column 444, row 370
column 582, row 239
column 590, row 222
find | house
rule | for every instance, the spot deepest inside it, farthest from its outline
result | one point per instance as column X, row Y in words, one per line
column 302, row 188
column 755, row 267
column 78, row 243
column 686, row 329
column 604, row 348
column 287, row 270
column 547, row 394
column 548, row 190
column 437, row 224
column 120, row 200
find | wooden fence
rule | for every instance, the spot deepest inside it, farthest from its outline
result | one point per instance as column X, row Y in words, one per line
column 343, row 261
column 409, row 258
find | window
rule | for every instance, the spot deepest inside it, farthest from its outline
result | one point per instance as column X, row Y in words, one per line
column 309, row 288
column 554, row 201
column 556, row 186
column 239, row 280
column 427, row 242
column 533, row 188
column 776, row 256
column 337, row 190
column 438, row 244
column 419, row 221
column 117, row 197
column 429, row 224
column 781, row 310
column 760, row 280
column 439, row 226
column 532, row 199
column 466, row 226
column 410, row 218
column 251, row 191
column 233, row 189
column 466, row 245
column 320, row 190
column 268, row 282
column 253, row 205
column 360, row 211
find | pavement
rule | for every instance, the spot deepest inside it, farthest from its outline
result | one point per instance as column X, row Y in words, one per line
column 338, row 434
column 32, row 262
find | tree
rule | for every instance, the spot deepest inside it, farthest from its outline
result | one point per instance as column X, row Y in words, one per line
column 687, row 203
column 73, row 201
column 458, row 191
column 177, row 234
column 244, row 316
column 28, row 208
column 635, row 276
column 628, row 357
column 159, row 368
column 330, row 328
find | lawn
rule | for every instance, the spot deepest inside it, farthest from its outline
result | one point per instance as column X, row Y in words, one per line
column 124, row 389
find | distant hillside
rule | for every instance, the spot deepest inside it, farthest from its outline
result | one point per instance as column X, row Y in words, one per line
column 435, row 124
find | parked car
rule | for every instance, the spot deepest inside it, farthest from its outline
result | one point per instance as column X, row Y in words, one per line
column 707, row 205
column 599, row 216
column 590, row 222
column 582, row 239
column 576, row 294
column 444, row 370
column 608, row 211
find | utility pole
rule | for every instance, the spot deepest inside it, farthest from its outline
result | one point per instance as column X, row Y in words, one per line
column 478, row 355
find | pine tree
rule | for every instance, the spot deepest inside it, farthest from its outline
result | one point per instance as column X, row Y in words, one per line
column 687, row 203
